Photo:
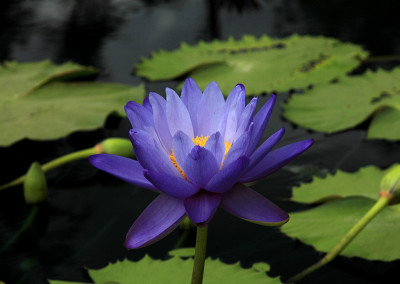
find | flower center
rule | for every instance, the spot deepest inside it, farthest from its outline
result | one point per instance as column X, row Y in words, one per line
column 200, row 141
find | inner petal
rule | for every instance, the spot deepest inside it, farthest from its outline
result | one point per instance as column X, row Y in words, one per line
column 200, row 141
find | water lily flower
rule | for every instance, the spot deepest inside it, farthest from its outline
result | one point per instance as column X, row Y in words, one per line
column 197, row 151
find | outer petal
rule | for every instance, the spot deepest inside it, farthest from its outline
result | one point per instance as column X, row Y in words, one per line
column 228, row 176
column 159, row 105
column 215, row 144
column 160, row 218
column 124, row 168
column 182, row 146
column 191, row 96
column 246, row 118
column 234, row 104
column 172, row 185
column 210, row 110
column 146, row 104
column 276, row 160
column 260, row 122
column 265, row 147
column 201, row 207
column 150, row 155
column 238, row 148
column 177, row 115
column 247, row 204
column 200, row 166
column 139, row 116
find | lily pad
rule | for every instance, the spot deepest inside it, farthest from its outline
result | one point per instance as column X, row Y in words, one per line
column 262, row 64
column 364, row 182
column 19, row 79
column 175, row 270
column 385, row 124
column 350, row 101
column 322, row 227
column 35, row 104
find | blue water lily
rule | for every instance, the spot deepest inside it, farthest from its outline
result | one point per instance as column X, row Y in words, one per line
column 197, row 151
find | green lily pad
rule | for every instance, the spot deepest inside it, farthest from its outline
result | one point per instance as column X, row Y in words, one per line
column 35, row 104
column 182, row 252
column 262, row 64
column 19, row 79
column 175, row 270
column 364, row 182
column 322, row 227
column 385, row 124
column 350, row 101
column 69, row 282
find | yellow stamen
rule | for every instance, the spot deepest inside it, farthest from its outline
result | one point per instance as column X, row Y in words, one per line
column 200, row 141
column 173, row 160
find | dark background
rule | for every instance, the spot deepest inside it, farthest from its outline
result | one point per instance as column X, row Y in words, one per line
column 86, row 217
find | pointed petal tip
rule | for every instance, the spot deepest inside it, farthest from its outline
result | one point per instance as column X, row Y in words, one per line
column 306, row 143
column 270, row 224
column 251, row 206
column 159, row 219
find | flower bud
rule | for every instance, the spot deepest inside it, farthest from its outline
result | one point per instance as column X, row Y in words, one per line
column 35, row 185
column 116, row 146
column 391, row 182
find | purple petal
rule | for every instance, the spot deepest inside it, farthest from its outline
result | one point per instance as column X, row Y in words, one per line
column 265, row 147
column 160, row 218
column 159, row 106
column 234, row 104
column 200, row 166
column 228, row 176
column 276, row 160
column 210, row 110
column 215, row 144
column 201, row 207
column 139, row 116
column 146, row 104
column 124, row 168
column 174, row 186
column 247, row 204
column 260, row 122
column 177, row 115
column 182, row 146
column 238, row 148
column 191, row 96
column 150, row 155
column 246, row 118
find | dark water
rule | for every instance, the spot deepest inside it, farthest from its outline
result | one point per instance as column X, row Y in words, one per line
column 88, row 213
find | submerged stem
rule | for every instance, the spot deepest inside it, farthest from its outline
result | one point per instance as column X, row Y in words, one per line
column 382, row 202
column 28, row 222
column 200, row 255
column 82, row 154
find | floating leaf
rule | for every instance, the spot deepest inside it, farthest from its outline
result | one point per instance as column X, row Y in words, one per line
column 262, row 65
column 176, row 270
column 182, row 252
column 364, row 182
column 68, row 282
column 36, row 106
column 19, row 79
column 385, row 124
column 323, row 226
column 350, row 101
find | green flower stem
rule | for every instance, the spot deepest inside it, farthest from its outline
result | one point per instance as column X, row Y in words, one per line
column 82, row 154
column 199, row 255
column 28, row 222
column 382, row 202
